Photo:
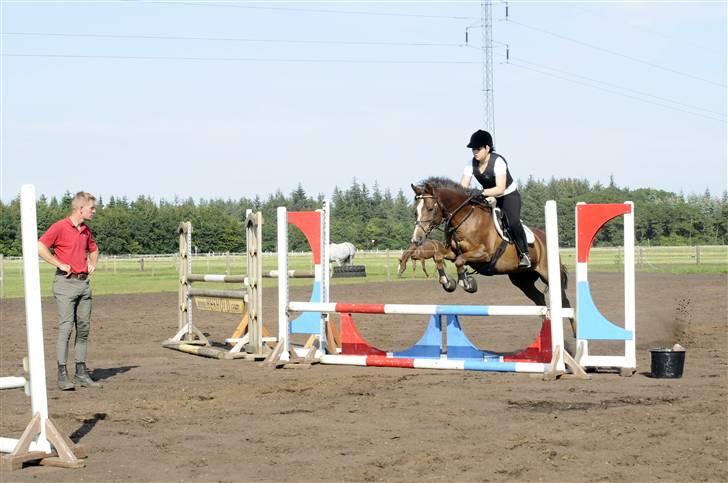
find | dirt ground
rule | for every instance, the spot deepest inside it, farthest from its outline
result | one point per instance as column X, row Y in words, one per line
column 163, row 415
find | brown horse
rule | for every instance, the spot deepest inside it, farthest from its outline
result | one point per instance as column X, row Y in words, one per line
column 474, row 241
column 428, row 249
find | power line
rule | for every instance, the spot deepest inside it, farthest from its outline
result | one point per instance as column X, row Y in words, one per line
column 618, row 54
column 647, row 94
column 230, row 39
column 516, row 64
column 682, row 40
column 241, row 59
column 312, row 10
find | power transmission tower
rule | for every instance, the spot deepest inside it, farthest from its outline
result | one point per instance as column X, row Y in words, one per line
column 486, row 25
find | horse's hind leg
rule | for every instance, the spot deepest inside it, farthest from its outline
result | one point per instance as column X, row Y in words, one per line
column 526, row 281
column 424, row 268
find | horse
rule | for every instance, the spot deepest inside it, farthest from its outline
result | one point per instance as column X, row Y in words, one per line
column 342, row 253
column 472, row 239
column 428, row 249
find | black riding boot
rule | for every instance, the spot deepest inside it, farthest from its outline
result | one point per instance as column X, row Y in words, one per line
column 524, row 261
column 83, row 379
column 64, row 383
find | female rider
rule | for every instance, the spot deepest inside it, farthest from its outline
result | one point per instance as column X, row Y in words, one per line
column 491, row 171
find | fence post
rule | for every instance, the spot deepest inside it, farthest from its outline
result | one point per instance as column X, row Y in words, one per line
column 387, row 264
column 697, row 254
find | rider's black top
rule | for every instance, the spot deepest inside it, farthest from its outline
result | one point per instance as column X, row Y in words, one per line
column 487, row 179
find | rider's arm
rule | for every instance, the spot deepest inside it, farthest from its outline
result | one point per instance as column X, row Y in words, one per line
column 467, row 177
column 500, row 170
column 499, row 188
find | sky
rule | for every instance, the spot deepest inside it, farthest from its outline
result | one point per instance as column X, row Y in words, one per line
column 203, row 99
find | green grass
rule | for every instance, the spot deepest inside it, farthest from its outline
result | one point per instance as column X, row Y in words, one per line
column 119, row 276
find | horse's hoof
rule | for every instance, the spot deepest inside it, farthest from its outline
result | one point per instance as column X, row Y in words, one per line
column 470, row 286
column 450, row 286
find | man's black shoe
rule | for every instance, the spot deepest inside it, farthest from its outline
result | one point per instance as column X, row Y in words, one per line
column 64, row 383
column 83, row 378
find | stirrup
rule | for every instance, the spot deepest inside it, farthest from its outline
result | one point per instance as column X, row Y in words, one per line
column 524, row 262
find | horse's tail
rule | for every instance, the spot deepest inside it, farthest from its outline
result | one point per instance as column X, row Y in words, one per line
column 564, row 277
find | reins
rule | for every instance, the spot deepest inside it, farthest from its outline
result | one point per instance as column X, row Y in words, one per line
column 431, row 225
column 447, row 218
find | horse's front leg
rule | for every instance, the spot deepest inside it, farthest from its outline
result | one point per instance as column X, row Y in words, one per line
column 468, row 283
column 447, row 283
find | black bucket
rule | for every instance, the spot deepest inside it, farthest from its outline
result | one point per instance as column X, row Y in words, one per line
column 667, row 363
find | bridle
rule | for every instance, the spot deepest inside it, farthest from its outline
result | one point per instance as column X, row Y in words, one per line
column 431, row 222
column 446, row 218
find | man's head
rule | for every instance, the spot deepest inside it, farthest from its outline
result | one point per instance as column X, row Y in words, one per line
column 84, row 205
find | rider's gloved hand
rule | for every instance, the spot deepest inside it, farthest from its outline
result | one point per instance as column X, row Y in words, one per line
column 474, row 193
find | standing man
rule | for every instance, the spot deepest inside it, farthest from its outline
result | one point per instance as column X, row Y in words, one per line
column 75, row 255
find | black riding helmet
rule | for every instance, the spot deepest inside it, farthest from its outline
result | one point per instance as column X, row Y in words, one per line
column 481, row 139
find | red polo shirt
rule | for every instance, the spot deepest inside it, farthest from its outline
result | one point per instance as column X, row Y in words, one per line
column 70, row 244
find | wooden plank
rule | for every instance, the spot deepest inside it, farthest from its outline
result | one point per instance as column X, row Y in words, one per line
column 223, row 305
column 274, row 358
column 208, row 292
column 333, row 337
column 64, row 453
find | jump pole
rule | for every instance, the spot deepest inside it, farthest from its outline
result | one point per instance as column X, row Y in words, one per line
column 41, row 439
column 438, row 360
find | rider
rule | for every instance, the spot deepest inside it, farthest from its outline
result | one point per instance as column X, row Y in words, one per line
column 491, row 171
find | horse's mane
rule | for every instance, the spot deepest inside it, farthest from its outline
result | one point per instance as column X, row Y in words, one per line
column 440, row 182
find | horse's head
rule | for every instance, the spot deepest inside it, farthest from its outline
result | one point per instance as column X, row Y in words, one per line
column 429, row 214
column 435, row 199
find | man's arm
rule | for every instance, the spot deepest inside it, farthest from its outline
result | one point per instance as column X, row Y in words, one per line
column 46, row 255
column 93, row 260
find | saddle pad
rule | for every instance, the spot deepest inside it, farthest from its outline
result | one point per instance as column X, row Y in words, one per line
column 530, row 238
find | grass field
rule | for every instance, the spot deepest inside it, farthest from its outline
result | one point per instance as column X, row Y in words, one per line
column 159, row 273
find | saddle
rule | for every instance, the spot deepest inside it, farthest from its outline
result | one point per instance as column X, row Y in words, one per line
column 499, row 221
column 500, row 224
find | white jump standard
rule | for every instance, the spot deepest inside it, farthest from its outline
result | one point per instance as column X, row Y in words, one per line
column 41, row 439
column 592, row 325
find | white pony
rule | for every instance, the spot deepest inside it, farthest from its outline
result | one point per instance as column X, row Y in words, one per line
column 342, row 253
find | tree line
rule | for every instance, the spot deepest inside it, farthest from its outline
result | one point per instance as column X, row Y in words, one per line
column 368, row 217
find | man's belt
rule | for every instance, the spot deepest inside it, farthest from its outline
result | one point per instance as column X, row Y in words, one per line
column 80, row 276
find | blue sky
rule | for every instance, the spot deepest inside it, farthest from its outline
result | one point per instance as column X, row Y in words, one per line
column 229, row 99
